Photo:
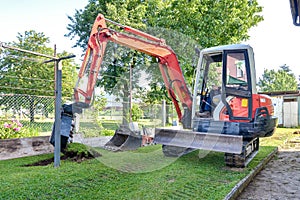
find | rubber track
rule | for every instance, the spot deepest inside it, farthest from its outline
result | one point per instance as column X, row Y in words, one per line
column 231, row 159
column 235, row 160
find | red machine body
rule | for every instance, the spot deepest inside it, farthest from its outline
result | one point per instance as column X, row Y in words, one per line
column 239, row 107
column 140, row 41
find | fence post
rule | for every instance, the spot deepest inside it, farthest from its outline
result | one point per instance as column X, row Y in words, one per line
column 57, row 123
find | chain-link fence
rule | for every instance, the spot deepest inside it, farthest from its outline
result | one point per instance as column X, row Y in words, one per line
column 39, row 112
column 30, row 110
column 93, row 122
column 128, row 91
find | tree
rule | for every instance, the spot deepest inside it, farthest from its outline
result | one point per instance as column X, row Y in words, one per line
column 202, row 23
column 24, row 73
column 120, row 76
column 209, row 22
column 281, row 80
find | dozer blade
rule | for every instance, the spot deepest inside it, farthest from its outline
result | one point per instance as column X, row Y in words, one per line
column 124, row 139
column 199, row 140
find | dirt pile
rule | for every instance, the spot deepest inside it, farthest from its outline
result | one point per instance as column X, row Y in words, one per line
column 75, row 152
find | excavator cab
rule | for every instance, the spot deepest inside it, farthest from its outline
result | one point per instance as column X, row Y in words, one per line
column 225, row 74
column 227, row 115
column 227, row 95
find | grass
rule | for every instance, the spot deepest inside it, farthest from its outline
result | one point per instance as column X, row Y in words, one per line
column 280, row 137
column 112, row 125
column 141, row 174
column 186, row 178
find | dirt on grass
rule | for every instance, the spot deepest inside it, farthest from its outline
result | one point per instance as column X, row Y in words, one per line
column 70, row 155
column 280, row 179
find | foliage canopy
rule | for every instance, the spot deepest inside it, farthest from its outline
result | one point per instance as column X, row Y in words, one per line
column 208, row 22
column 280, row 80
column 27, row 74
column 183, row 24
column 24, row 73
column 204, row 23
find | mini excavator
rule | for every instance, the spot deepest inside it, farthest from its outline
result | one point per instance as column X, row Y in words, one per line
column 225, row 112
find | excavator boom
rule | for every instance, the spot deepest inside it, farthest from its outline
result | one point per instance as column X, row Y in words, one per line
column 136, row 40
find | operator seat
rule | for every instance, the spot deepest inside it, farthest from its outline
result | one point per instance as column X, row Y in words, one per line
column 211, row 102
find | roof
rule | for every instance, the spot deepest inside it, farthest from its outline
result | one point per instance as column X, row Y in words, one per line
column 282, row 93
column 226, row 47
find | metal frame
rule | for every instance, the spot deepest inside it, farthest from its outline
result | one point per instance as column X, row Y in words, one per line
column 58, row 88
column 248, row 94
column 295, row 12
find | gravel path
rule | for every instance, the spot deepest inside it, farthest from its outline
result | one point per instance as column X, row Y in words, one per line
column 280, row 179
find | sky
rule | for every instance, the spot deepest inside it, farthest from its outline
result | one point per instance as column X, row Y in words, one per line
column 49, row 17
column 274, row 40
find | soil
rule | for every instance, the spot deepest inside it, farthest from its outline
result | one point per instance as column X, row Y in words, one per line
column 71, row 156
column 280, row 179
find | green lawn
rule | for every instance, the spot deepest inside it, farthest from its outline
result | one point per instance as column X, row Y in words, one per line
column 141, row 174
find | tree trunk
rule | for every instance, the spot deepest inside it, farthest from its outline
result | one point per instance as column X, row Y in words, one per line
column 126, row 105
column 167, row 113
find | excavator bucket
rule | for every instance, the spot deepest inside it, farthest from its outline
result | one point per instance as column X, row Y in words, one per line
column 199, row 140
column 125, row 138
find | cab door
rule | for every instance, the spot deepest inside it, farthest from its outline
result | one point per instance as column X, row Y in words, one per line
column 236, row 86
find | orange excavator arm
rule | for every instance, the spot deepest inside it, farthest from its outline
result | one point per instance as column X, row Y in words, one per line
column 139, row 41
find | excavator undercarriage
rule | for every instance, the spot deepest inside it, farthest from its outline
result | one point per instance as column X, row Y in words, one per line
column 239, row 141
column 249, row 150
column 238, row 151
column 242, row 159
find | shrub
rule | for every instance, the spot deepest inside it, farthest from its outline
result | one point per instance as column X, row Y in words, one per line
column 107, row 132
column 15, row 129
column 137, row 112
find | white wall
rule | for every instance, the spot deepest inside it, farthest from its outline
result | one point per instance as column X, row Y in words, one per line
column 278, row 108
column 290, row 114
